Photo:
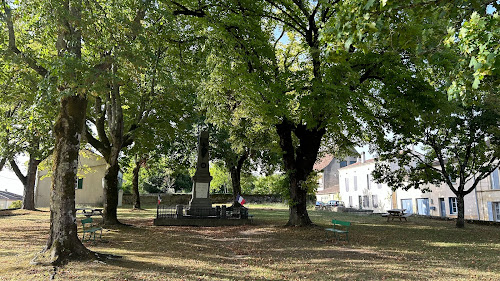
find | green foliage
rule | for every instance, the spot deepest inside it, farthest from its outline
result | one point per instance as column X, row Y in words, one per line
column 477, row 41
column 220, row 178
column 183, row 182
column 16, row 204
column 272, row 184
column 154, row 183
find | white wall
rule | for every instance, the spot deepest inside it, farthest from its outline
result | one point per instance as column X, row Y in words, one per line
column 365, row 187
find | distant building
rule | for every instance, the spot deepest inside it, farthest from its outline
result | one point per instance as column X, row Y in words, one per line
column 89, row 186
column 359, row 190
column 328, row 183
column 7, row 198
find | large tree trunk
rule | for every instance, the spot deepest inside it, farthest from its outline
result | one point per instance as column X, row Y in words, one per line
column 135, row 183
column 111, row 190
column 63, row 241
column 461, row 211
column 298, row 164
column 235, row 171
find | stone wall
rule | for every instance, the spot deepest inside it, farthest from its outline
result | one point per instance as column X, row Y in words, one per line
column 183, row 199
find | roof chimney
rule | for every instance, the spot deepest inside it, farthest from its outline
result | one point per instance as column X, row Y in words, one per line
column 363, row 157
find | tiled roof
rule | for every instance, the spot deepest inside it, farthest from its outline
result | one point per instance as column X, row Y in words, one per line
column 334, row 189
column 323, row 162
column 10, row 196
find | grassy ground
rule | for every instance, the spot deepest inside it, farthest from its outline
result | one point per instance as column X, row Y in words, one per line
column 378, row 250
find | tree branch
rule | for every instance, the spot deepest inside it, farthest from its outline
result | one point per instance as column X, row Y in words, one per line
column 12, row 43
column 17, row 171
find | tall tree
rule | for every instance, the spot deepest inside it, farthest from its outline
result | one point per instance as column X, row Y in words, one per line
column 282, row 77
column 448, row 111
column 63, row 241
column 67, row 69
column 26, row 127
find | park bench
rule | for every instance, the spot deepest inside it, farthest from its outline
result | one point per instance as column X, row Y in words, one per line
column 339, row 228
column 90, row 228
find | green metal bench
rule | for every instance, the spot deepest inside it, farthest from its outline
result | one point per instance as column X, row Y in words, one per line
column 339, row 228
column 90, row 228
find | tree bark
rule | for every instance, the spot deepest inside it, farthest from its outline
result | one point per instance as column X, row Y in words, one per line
column 235, row 171
column 63, row 241
column 111, row 189
column 135, row 183
column 298, row 164
column 28, row 181
column 461, row 211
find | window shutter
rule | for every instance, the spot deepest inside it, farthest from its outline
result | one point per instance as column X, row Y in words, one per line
column 450, row 202
column 490, row 212
column 495, row 183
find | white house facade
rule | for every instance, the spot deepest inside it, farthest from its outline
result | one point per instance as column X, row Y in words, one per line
column 358, row 190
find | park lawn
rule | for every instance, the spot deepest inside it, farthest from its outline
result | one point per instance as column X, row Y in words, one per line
column 378, row 250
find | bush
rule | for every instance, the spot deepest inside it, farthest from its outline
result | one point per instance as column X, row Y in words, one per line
column 16, row 204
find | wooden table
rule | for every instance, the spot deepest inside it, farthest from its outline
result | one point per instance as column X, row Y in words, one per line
column 89, row 212
column 397, row 213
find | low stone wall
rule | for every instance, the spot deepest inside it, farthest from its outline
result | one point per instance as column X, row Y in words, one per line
column 183, row 199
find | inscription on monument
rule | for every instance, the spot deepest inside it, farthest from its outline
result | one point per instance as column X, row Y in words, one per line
column 201, row 189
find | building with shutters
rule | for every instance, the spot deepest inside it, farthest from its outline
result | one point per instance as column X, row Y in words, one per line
column 358, row 190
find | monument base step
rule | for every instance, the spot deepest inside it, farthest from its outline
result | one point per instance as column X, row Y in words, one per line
column 200, row 222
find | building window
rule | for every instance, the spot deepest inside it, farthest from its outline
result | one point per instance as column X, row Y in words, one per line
column 495, row 180
column 347, row 184
column 79, row 183
column 497, row 211
column 453, row 205
column 366, row 201
column 375, row 201
column 355, row 183
column 350, row 201
column 368, row 181
column 343, row 164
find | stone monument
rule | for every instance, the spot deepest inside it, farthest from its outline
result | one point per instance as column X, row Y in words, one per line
column 201, row 180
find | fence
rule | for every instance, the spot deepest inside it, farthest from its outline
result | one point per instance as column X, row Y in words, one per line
column 163, row 211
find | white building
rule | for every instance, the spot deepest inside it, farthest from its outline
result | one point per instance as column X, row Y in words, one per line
column 358, row 190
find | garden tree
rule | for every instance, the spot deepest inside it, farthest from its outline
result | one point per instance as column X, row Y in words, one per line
column 26, row 127
column 26, row 123
column 409, row 105
column 288, row 83
column 65, row 74
column 244, row 140
column 107, row 116
column 458, row 142
column 145, row 92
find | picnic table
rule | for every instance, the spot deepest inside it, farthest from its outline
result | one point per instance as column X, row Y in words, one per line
column 89, row 212
column 397, row 213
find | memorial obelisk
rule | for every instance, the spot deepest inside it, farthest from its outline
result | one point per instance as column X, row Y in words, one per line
column 201, row 180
